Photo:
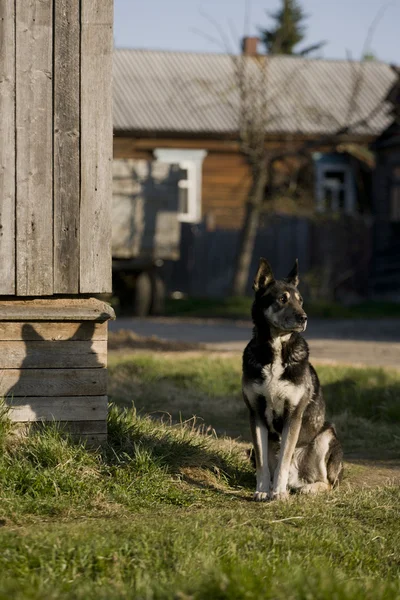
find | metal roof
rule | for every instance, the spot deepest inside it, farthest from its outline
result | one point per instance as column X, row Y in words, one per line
column 191, row 93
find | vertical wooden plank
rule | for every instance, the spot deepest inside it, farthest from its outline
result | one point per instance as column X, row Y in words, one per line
column 34, row 126
column 96, row 145
column 7, row 147
column 66, row 146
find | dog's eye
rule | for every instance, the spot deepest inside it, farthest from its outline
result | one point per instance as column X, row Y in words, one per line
column 283, row 299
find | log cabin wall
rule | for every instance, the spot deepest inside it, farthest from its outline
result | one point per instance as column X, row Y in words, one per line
column 226, row 185
column 225, row 176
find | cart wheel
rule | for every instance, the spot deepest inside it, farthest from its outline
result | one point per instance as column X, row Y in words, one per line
column 158, row 295
column 142, row 295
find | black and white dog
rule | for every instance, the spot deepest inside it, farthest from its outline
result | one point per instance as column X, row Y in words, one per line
column 293, row 445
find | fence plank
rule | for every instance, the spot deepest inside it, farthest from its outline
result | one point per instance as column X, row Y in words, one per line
column 70, row 408
column 66, row 146
column 34, row 110
column 53, row 382
column 96, row 145
column 46, row 354
column 7, row 147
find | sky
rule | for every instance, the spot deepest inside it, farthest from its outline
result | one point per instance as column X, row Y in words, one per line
column 201, row 25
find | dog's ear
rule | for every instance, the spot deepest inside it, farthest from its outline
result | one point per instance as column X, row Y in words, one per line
column 293, row 276
column 264, row 275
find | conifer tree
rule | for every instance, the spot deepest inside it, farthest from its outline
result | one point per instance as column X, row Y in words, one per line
column 288, row 31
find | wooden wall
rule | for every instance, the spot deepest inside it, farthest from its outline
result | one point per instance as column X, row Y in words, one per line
column 53, row 359
column 226, row 184
column 55, row 146
column 225, row 177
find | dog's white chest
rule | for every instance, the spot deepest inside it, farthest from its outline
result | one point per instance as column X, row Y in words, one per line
column 276, row 391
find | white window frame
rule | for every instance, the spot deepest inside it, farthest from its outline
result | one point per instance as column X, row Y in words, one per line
column 193, row 214
column 349, row 196
column 192, row 162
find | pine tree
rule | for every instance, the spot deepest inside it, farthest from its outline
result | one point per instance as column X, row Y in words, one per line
column 288, row 31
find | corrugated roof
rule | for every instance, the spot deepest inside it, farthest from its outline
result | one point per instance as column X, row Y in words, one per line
column 156, row 91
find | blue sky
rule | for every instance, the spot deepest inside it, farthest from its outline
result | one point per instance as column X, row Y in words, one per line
column 171, row 24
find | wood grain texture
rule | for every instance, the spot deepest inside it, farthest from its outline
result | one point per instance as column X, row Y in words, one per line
column 53, row 331
column 56, row 309
column 226, row 184
column 34, row 112
column 66, row 146
column 7, row 147
column 73, row 408
column 34, row 354
column 53, row 382
column 96, row 145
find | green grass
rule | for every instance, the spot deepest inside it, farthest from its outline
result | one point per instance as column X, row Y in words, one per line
column 239, row 308
column 163, row 512
column 363, row 403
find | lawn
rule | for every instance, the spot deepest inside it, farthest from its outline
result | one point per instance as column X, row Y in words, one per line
column 164, row 511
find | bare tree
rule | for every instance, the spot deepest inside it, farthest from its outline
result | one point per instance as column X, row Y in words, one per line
column 258, row 111
column 262, row 102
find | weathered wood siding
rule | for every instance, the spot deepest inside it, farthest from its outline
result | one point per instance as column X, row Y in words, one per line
column 55, row 146
column 66, row 146
column 34, row 147
column 96, row 145
column 7, row 146
column 53, row 363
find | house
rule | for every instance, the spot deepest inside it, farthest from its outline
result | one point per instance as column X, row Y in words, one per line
column 385, row 279
column 183, row 108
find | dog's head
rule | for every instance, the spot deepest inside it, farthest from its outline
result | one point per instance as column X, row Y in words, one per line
column 278, row 303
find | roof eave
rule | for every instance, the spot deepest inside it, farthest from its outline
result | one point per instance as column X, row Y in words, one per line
column 232, row 136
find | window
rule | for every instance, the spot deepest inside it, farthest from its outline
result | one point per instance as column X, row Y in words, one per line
column 335, row 188
column 187, row 193
column 189, row 185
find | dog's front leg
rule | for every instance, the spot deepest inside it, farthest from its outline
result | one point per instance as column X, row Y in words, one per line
column 259, row 433
column 290, row 436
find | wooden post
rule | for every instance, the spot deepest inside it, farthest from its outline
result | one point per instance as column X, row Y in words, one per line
column 55, row 209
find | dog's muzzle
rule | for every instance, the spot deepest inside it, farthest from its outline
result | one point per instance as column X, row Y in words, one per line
column 302, row 321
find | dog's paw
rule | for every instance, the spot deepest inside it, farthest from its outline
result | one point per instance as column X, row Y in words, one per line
column 280, row 496
column 261, row 497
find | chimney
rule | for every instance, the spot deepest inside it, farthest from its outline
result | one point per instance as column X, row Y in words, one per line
column 250, row 45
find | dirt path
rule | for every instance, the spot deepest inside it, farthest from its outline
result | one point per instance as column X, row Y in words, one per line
column 358, row 342
column 366, row 473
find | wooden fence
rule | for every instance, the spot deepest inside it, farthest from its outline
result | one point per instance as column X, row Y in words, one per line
column 326, row 247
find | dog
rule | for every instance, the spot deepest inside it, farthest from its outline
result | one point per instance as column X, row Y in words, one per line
column 294, row 448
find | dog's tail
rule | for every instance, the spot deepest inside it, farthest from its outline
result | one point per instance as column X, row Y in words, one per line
column 334, row 464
